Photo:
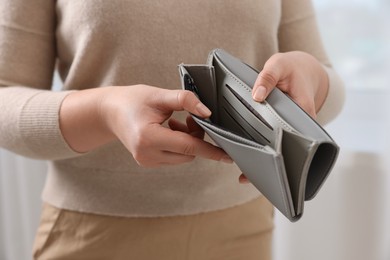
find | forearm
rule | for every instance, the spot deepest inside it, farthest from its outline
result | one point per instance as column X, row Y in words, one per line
column 334, row 99
column 321, row 92
column 29, row 124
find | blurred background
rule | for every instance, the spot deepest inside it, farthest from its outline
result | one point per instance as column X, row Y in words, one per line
column 350, row 217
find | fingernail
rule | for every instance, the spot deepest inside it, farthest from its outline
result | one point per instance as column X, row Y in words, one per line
column 227, row 159
column 259, row 94
column 203, row 110
column 243, row 180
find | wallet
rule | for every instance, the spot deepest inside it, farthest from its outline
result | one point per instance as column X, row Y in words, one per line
column 283, row 152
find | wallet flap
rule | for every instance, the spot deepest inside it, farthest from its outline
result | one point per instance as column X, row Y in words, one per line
column 261, row 165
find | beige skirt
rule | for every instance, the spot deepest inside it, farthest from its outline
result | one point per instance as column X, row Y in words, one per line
column 240, row 232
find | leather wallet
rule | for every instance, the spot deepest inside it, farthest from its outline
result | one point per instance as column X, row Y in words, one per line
column 284, row 153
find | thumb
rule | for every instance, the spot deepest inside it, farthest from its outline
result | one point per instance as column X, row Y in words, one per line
column 267, row 80
column 178, row 100
column 265, row 83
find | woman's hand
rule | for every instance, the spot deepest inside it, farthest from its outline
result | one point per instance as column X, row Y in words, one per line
column 134, row 115
column 296, row 73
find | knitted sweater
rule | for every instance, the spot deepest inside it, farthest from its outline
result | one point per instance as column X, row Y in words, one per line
column 95, row 43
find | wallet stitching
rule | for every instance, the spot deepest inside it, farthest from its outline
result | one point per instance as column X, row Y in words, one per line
column 249, row 90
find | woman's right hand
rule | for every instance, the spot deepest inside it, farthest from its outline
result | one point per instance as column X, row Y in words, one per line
column 134, row 115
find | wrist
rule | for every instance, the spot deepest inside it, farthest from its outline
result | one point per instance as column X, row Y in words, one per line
column 81, row 121
column 322, row 90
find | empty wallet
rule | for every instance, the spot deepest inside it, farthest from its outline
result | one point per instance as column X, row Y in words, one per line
column 283, row 152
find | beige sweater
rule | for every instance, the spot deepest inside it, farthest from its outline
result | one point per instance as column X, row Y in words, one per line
column 96, row 43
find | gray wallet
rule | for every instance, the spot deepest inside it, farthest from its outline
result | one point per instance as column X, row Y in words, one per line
column 283, row 152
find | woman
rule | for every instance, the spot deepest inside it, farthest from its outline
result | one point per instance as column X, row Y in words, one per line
column 121, row 183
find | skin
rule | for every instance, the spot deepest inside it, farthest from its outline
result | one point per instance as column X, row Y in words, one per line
column 135, row 114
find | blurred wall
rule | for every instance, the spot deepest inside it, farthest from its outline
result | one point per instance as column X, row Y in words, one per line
column 350, row 219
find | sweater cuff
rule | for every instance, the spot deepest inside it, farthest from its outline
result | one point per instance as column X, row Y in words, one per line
column 40, row 128
column 335, row 99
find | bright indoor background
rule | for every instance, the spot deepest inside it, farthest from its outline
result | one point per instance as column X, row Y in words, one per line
column 350, row 217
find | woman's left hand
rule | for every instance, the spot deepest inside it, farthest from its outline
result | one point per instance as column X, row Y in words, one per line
column 296, row 73
column 299, row 75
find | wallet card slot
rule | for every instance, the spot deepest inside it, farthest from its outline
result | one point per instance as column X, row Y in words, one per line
column 249, row 107
column 234, row 126
column 260, row 130
column 238, row 75
column 243, row 125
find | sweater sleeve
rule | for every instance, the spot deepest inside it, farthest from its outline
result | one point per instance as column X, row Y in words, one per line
column 29, row 110
column 298, row 31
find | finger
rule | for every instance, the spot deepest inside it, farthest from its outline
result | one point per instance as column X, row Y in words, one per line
column 176, row 125
column 163, row 158
column 306, row 103
column 179, row 100
column 265, row 82
column 182, row 143
column 273, row 72
column 175, row 158
column 193, row 128
column 243, row 179
column 153, row 157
